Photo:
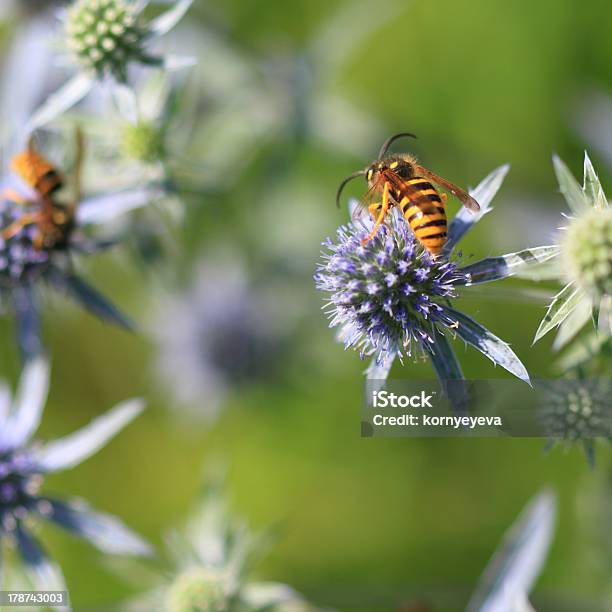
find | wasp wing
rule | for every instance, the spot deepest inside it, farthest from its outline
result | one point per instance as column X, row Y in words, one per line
column 362, row 207
column 463, row 196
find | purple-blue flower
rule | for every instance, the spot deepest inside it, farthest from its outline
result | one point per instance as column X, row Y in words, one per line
column 390, row 291
column 222, row 333
column 390, row 298
column 24, row 464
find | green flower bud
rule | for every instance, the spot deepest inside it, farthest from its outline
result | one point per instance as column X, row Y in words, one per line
column 104, row 35
column 587, row 252
column 198, row 590
column 576, row 410
column 142, row 141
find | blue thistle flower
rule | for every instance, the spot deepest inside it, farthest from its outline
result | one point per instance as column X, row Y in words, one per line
column 225, row 334
column 24, row 466
column 390, row 298
column 390, row 291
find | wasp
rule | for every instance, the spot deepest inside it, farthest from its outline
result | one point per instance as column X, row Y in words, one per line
column 54, row 220
column 398, row 180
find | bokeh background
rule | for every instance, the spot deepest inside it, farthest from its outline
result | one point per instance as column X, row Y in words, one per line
column 286, row 100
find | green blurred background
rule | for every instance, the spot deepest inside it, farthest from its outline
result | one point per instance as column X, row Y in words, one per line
column 363, row 524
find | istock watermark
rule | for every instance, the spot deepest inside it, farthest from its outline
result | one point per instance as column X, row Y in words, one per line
column 555, row 409
column 384, row 399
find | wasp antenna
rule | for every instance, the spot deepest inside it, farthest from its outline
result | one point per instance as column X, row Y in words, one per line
column 349, row 178
column 391, row 140
column 79, row 154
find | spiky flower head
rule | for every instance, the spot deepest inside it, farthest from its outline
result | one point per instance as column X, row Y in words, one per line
column 387, row 294
column 24, row 465
column 21, row 261
column 198, row 589
column 574, row 410
column 142, row 141
column 213, row 557
column 105, row 35
column 587, row 252
column 584, row 264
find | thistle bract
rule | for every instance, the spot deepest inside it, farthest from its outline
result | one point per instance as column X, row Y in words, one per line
column 105, row 35
column 587, row 252
column 387, row 294
column 516, row 564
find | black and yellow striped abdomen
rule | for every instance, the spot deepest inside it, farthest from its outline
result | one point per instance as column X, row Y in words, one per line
column 424, row 210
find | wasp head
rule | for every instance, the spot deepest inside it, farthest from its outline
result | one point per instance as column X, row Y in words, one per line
column 397, row 165
column 374, row 170
column 400, row 165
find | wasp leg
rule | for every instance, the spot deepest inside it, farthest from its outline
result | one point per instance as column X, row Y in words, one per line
column 384, row 207
column 38, row 241
column 374, row 209
column 443, row 197
column 14, row 228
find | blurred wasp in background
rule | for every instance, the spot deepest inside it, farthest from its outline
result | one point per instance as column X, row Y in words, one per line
column 398, row 180
column 54, row 220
